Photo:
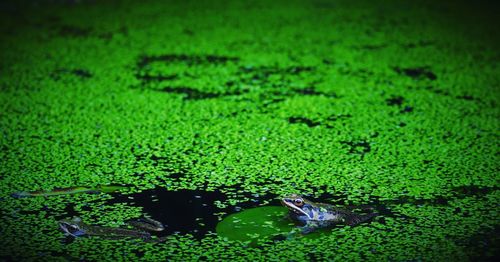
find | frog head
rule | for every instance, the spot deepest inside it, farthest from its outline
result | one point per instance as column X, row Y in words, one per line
column 72, row 227
column 298, row 206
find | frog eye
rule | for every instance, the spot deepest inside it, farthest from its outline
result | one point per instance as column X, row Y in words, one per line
column 71, row 227
column 299, row 201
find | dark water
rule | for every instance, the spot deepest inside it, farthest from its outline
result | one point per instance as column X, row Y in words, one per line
column 183, row 211
column 192, row 212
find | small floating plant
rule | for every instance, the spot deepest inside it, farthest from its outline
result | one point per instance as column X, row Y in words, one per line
column 69, row 191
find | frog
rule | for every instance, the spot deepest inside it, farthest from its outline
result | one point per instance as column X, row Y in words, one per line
column 75, row 227
column 312, row 216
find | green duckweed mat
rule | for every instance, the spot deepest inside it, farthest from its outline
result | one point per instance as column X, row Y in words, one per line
column 393, row 102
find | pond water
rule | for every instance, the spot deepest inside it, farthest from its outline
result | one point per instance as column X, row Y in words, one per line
column 207, row 111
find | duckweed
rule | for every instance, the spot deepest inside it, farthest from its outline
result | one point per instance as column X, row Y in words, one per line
column 388, row 103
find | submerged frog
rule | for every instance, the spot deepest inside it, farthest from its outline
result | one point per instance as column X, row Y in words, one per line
column 313, row 216
column 75, row 227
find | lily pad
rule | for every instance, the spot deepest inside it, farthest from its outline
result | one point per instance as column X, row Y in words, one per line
column 261, row 223
column 255, row 223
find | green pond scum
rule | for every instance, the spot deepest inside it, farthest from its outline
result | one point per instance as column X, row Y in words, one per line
column 206, row 112
column 69, row 191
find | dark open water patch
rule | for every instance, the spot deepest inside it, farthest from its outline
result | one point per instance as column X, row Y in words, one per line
column 395, row 101
column 163, row 82
column 261, row 77
column 357, row 147
column 327, row 123
column 194, row 212
column 191, row 93
column 416, row 72
column 185, row 58
column 147, row 77
column 303, row 120
column 64, row 72
column 183, row 211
